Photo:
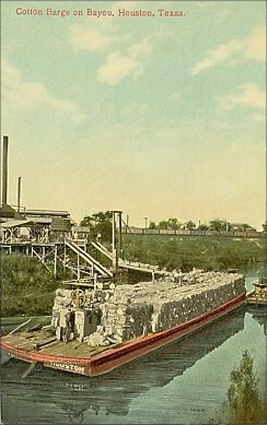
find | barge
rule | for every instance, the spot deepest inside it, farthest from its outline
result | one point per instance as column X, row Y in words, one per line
column 95, row 330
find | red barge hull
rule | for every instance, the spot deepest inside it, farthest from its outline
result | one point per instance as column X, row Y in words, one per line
column 115, row 357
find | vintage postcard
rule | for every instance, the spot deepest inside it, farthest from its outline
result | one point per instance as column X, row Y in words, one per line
column 133, row 212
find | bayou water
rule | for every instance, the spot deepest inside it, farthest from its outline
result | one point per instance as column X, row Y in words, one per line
column 182, row 383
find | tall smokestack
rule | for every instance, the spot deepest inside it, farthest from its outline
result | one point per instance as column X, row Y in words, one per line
column 5, row 170
column 19, row 193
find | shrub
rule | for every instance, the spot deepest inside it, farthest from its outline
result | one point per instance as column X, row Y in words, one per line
column 27, row 288
column 244, row 403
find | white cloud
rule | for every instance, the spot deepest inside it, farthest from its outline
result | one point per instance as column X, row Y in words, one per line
column 29, row 95
column 216, row 56
column 119, row 65
column 246, row 94
column 255, row 45
column 87, row 38
column 118, row 62
column 140, row 48
column 252, row 47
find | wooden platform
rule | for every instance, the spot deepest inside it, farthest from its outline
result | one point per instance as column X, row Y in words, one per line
column 45, row 342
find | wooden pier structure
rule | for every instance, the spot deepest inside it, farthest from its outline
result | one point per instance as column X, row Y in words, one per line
column 66, row 247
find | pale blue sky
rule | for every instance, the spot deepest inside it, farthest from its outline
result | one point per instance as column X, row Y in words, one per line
column 159, row 117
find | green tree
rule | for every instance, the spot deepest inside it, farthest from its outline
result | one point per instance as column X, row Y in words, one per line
column 203, row 226
column 245, row 404
column 173, row 223
column 164, row 224
column 152, row 225
column 99, row 223
column 218, row 224
column 190, row 225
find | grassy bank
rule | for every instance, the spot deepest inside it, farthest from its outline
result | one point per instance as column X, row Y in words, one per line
column 26, row 287
column 207, row 253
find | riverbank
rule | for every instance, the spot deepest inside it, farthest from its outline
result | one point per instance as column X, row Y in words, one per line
column 28, row 288
column 185, row 253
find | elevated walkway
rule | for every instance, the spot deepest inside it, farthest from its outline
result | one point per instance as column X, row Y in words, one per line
column 101, row 248
column 88, row 258
column 82, row 264
column 130, row 265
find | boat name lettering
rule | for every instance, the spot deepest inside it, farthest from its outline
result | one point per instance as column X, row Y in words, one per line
column 74, row 367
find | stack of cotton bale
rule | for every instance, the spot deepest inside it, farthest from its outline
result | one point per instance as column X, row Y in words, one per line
column 122, row 317
column 134, row 310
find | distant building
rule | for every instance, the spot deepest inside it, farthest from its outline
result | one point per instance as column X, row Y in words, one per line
column 8, row 213
column 45, row 213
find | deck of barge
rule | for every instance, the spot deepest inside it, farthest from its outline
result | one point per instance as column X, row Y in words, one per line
column 46, row 343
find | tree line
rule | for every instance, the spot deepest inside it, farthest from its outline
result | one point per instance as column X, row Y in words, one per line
column 216, row 224
column 100, row 223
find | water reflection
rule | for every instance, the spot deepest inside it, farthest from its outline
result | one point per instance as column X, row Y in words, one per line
column 259, row 313
column 72, row 396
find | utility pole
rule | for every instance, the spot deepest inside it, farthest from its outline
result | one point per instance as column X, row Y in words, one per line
column 19, row 194
column 115, row 248
column 4, row 170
